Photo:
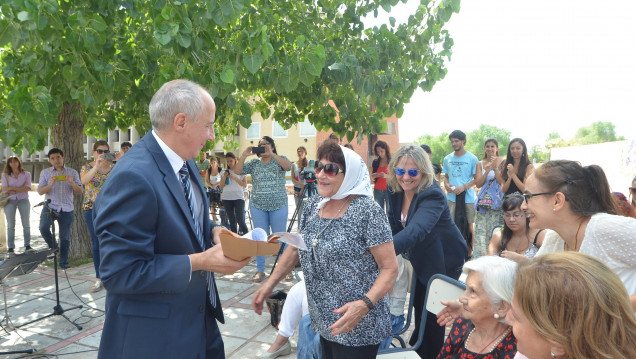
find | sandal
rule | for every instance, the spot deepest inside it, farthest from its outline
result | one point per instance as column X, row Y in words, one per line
column 97, row 286
column 258, row 277
column 289, row 276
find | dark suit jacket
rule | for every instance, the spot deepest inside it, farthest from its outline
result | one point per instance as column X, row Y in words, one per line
column 434, row 243
column 155, row 307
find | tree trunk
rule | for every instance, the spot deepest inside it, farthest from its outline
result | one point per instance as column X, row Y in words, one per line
column 68, row 135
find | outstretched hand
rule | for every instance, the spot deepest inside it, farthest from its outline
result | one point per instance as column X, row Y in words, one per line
column 447, row 316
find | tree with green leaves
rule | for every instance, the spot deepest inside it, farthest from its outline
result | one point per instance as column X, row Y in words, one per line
column 598, row 132
column 441, row 147
column 84, row 67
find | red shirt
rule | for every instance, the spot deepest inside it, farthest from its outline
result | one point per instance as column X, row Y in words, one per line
column 380, row 183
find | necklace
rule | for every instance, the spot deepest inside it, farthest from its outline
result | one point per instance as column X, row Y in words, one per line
column 314, row 243
column 491, row 346
column 525, row 248
column 576, row 238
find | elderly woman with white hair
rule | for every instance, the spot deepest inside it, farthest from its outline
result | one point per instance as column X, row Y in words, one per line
column 479, row 329
column 349, row 264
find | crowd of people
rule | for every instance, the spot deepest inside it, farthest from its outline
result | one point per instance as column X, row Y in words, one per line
column 548, row 253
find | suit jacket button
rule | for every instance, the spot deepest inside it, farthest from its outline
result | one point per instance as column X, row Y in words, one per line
column 201, row 309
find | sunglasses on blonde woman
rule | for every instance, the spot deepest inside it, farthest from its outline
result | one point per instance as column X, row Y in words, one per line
column 412, row 172
column 331, row 169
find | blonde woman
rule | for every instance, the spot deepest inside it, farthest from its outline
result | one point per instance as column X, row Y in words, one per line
column 570, row 305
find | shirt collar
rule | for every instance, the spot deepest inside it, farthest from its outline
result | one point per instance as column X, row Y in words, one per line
column 176, row 162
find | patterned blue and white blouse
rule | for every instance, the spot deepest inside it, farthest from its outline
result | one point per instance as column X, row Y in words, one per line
column 268, row 184
column 341, row 268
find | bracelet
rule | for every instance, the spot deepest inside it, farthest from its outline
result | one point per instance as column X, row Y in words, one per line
column 368, row 302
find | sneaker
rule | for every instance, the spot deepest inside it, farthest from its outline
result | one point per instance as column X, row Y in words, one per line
column 28, row 248
column 65, row 266
column 97, row 286
column 10, row 250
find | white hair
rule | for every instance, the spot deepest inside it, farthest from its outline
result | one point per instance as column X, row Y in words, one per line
column 497, row 274
column 174, row 97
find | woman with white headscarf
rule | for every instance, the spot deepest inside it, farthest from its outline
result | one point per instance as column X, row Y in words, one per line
column 350, row 264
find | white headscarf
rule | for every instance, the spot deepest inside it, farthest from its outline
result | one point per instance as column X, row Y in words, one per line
column 356, row 180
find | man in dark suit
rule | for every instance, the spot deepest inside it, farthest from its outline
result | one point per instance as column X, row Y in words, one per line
column 155, row 238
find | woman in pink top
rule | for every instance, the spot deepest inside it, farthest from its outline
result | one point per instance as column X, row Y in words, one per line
column 17, row 182
column 379, row 173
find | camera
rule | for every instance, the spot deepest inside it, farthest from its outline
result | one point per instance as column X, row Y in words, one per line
column 258, row 150
column 109, row 156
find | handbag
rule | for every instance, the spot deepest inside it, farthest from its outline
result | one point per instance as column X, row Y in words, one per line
column 4, row 199
column 486, row 201
column 275, row 304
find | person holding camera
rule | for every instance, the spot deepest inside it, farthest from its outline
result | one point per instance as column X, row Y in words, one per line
column 232, row 198
column 268, row 201
column 58, row 183
column 93, row 175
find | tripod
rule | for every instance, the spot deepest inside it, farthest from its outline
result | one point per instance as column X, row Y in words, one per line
column 57, row 310
column 20, row 264
column 308, row 191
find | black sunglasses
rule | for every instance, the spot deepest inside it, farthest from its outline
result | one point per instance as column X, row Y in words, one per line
column 99, row 151
column 527, row 196
column 331, row 169
column 632, row 189
column 412, row 172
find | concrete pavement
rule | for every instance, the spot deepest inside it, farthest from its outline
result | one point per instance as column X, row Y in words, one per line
column 32, row 296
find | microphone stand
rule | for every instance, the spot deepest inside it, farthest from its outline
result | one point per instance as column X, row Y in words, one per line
column 57, row 310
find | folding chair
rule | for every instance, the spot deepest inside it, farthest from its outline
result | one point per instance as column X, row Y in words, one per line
column 440, row 287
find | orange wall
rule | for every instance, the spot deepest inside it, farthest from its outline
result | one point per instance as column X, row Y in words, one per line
column 362, row 148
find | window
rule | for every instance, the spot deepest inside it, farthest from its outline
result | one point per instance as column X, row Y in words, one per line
column 278, row 131
column 307, row 129
column 254, row 132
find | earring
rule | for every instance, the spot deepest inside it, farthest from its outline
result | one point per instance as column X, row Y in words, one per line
column 553, row 209
column 496, row 316
column 552, row 354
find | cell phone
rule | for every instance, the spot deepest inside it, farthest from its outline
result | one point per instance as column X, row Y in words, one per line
column 109, row 156
column 60, row 178
column 258, row 150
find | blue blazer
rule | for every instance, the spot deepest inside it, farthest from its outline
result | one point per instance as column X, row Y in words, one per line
column 155, row 306
column 430, row 237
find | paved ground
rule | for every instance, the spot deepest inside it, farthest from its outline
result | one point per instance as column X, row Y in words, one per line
column 32, row 296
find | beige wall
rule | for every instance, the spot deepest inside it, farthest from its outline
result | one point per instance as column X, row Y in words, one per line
column 285, row 146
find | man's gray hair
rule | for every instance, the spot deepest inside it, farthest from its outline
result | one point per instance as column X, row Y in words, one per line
column 497, row 274
column 174, row 97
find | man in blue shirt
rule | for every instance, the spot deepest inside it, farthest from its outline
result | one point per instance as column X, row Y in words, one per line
column 459, row 173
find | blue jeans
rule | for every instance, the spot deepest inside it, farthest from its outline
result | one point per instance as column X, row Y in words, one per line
column 64, row 221
column 381, row 196
column 397, row 321
column 24, row 207
column 308, row 341
column 276, row 220
column 88, row 216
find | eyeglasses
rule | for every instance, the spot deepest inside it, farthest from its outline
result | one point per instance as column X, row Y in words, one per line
column 527, row 196
column 514, row 215
column 632, row 189
column 331, row 169
column 412, row 172
column 264, row 144
column 100, row 151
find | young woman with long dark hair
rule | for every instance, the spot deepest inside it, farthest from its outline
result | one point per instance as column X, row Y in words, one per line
column 516, row 168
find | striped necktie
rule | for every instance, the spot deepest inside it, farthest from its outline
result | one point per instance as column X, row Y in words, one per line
column 184, row 175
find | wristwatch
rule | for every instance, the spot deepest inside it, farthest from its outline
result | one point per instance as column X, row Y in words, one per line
column 368, row 302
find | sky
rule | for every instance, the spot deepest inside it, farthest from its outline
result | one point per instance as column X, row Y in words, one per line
column 532, row 68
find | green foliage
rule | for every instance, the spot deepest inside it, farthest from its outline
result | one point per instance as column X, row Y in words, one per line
column 441, row 147
column 285, row 59
column 598, row 132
